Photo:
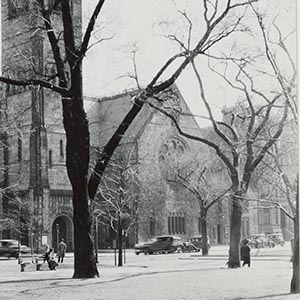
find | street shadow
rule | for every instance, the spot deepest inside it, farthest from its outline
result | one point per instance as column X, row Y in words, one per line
column 130, row 276
column 262, row 297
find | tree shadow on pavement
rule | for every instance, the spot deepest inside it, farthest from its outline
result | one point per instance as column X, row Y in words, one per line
column 263, row 297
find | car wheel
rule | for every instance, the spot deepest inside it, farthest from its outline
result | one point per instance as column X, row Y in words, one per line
column 15, row 255
column 147, row 251
column 179, row 250
column 191, row 249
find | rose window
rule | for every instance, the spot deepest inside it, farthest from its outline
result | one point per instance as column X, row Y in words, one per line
column 172, row 156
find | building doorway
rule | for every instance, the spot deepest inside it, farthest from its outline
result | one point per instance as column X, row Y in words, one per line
column 62, row 228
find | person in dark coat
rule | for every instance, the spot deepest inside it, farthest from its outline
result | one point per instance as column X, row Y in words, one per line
column 61, row 250
column 245, row 253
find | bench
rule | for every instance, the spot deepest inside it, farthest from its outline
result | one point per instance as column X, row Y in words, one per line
column 25, row 260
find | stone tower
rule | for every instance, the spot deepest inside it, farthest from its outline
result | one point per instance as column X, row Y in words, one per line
column 33, row 139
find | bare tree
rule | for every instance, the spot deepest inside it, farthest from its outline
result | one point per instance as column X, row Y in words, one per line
column 118, row 204
column 198, row 181
column 242, row 140
column 288, row 86
column 68, row 71
column 241, row 151
column 15, row 212
column 281, row 178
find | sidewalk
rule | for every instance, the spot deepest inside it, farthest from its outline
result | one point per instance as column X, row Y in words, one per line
column 197, row 278
column 12, row 272
column 153, row 277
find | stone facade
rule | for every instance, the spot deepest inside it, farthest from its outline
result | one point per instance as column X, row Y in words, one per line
column 33, row 143
column 165, row 206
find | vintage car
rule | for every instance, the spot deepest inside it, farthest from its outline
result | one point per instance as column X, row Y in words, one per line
column 276, row 238
column 10, row 248
column 197, row 241
column 257, row 240
column 159, row 244
column 189, row 247
column 261, row 240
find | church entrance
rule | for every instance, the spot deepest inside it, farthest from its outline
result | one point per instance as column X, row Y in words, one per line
column 62, row 228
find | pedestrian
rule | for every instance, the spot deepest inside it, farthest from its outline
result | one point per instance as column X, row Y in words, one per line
column 47, row 254
column 62, row 247
column 245, row 252
column 52, row 264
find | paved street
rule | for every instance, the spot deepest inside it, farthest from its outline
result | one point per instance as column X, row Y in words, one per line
column 171, row 276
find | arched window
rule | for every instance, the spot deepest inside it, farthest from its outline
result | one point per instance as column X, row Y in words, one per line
column 50, row 159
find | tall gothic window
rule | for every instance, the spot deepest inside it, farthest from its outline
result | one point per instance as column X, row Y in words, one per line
column 176, row 223
column 50, row 162
column 20, row 148
column 276, row 211
column 61, row 149
column 152, row 226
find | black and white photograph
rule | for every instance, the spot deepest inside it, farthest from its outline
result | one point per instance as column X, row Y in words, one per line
column 149, row 150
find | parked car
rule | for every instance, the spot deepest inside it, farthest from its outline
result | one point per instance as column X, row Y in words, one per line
column 10, row 248
column 159, row 244
column 257, row 240
column 197, row 241
column 189, row 247
column 25, row 249
column 277, row 238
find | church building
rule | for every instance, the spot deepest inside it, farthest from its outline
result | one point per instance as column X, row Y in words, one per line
column 36, row 196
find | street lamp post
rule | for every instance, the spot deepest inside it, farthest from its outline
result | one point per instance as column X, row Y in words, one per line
column 57, row 237
column 97, row 214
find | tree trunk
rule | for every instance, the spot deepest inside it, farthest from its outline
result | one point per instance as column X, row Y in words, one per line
column 235, row 231
column 77, row 161
column 120, row 249
column 84, row 258
column 204, row 231
column 295, row 282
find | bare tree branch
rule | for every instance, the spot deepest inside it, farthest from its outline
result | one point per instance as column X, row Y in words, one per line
column 34, row 82
column 90, row 28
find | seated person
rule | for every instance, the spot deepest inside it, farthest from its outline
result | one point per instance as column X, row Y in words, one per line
column 51, row 260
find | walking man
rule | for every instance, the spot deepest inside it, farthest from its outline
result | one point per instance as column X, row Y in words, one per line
column 61, row 251
column 245, row 252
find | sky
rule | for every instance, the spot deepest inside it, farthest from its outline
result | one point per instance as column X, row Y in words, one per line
column 141, row 25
